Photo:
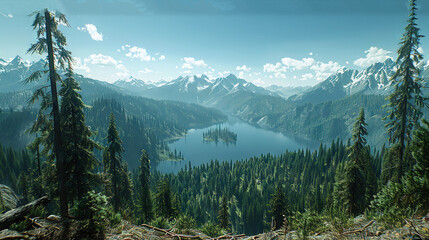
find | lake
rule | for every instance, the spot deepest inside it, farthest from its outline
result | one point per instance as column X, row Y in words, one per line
column 251, row 141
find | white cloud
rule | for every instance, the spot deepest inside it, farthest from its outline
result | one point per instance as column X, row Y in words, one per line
column 162, row 57
column 92, row 30
column 329, row 67
column 190, row 63
column 146, row 70
column 307, row 76
column 79, row 66
column 373, row 55
column 420, row 50
column 279, row 75
column 103, row 61
column 243, row 68
column 294, row 64
column 268, row 67
column 6, row 15
column 311, row 54
column 100, row 59
column 140, row 53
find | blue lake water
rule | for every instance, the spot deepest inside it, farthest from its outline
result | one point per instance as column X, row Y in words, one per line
column 251, row 141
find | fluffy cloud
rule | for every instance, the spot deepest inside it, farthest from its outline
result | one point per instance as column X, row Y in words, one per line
column 373, row 55
column 100, row 59
column 190, row 63
column 139, row 53
column 294, row 64
column 307, row 76
column 92, row 30
column 311, row 68
column 279, row 75
column 268, row 67
column 162, row 57
column 146, row 70
column 103, row 60
column 243, row 68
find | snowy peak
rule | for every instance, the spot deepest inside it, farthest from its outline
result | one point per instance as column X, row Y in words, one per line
column 16, row 62
column 372, row 80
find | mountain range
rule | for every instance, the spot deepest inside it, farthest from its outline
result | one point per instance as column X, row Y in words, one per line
column 310, row 112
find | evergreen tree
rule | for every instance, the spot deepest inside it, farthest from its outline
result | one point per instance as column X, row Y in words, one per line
column 53, row 43
column 406, row 100
column 78, row 145
column 163, row 202
column 113, row 158
column 144, row 177
column 223, row 215
column 353, row 189
column 278, row 207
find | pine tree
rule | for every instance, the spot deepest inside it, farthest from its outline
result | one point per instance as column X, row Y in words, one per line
column 163, row 202
column 114, row 158
column 278, row 207
column 78, row 145
column 144, row 177
column 354, row 183
column 223, row 215
column 406, row 100
column 53, row 43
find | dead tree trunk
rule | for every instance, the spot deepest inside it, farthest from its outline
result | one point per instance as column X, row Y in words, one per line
column 17, row 214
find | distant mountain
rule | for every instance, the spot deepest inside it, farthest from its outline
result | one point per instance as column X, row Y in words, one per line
column 13, row 74
column 202, row 90
column 286, row 92
column 346, row 82
column 133, row 85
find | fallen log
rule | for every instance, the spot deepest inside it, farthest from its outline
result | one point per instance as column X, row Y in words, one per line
column 359, row 230
column 17, row 214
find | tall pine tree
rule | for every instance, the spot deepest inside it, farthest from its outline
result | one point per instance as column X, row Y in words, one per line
column 278, row 207
column 53, row 44
column 113, row 158
column 145, row 197
column 223, row 215
column 406, row 100
column 78, row 145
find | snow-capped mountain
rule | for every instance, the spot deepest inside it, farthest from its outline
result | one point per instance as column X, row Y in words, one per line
column 13, row 74
column 133, row 85
column 345, row 82
column 202, row 90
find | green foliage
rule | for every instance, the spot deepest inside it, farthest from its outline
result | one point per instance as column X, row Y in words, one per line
column 223, row 214
column 185, row 224
column 164, row 200
column 145, row 200
column 394, row 217
column 114, row 218
column 278, row 207
column 338, row 219
column 160, row 222
column 78, row 145
column 92, row 212
column 211, row 229
column 406, row 101
column 26, row 223
column 216, row 134
column 412, row 191
column 307, row 223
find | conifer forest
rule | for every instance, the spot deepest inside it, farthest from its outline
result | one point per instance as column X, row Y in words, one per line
column 347, row 157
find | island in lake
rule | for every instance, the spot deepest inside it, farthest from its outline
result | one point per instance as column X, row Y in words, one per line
column 220, row 134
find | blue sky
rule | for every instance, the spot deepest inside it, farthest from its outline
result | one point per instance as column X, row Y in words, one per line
column 282, row 42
